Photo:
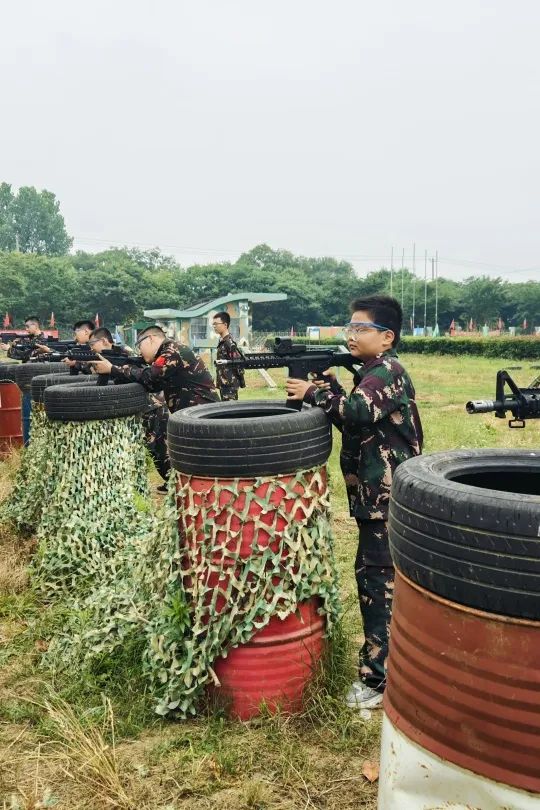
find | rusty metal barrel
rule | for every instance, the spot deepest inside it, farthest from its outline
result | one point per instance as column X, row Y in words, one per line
column 23, row 374
column 11, row 434
column 462, row 717
column 248, row 472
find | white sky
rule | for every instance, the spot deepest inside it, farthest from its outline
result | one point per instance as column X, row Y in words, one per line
column 327, row 128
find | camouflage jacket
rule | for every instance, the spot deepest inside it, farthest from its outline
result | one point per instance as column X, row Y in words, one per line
column 381, row 427
column 178, row 372
column 24, row 348
column 229, row 377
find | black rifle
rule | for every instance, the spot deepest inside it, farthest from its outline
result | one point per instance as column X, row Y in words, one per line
column 524, row 403
column 88, row 356
column 300, row 360
column 7, row 337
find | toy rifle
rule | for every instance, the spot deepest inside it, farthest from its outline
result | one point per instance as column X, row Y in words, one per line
column 522, row 403
column 87, row 356
column 302, row 362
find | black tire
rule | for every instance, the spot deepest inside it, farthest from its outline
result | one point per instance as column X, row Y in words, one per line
column 86, row 403
column 25, row 373
column 238, row 439
column 6, row 372
column 465, row 525
column 43, row 381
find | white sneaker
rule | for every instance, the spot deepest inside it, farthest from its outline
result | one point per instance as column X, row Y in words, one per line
column 361, row 696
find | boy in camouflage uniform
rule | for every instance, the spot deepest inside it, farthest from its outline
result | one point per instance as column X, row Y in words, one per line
column 155, row 417
column 228, row 380
column 381, row 428
column 172, row 368
column 25, row 348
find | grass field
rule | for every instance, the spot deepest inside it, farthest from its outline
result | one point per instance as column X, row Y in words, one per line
column 92, row 742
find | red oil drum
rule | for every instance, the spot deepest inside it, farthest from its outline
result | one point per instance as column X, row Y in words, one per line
column 275, row 666
column 10, row 417
column 249, row 473
column 464, row 685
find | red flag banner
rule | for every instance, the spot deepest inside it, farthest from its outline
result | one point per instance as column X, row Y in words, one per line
column 52, row 322
column 96, row 321
column 7, row 321
column 525, row 323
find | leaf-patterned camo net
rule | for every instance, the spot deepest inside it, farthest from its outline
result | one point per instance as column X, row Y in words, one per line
column 212, row 566
column 23, row 508
column 81, row 487
column 250, row 550
column 193, row 595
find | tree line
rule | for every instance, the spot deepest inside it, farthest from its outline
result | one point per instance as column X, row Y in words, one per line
column 39, row 276
column 120, row 283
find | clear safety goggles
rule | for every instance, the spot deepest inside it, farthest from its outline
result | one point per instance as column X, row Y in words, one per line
column 359, row 327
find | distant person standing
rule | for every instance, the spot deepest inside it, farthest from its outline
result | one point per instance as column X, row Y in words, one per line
column 228, row 380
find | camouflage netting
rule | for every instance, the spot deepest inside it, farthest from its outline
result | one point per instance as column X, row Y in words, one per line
column 82, row 487
column 286, row 523
column 24, row 505
column 195, row 598
column 97, row 501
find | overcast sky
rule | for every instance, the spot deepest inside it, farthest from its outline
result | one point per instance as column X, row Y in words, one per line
column 327, row 128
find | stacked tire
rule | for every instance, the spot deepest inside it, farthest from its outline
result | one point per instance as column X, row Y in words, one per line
column 461, row 725
column 91, row 402
column 225, row 453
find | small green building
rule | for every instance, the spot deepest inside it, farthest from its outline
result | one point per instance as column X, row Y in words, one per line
column 193, row 325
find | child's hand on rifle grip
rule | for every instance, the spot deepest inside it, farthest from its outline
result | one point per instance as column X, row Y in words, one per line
column 322, row 384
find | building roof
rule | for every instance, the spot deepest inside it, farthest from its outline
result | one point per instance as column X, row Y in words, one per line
column 202, row 309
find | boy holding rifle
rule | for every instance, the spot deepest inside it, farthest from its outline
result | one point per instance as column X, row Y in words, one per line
column 381, row 428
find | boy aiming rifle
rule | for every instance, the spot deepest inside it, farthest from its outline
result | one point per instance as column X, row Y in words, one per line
column 381, row 428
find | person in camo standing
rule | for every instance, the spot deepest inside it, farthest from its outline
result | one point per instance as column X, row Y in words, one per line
column 381, row 428
column 228, row 380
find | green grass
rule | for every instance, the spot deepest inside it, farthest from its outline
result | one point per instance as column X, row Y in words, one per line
column 273, row 763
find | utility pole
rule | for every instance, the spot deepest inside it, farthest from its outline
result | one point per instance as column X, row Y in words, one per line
column 392, row 272
column 402, row 276
column 436, row 289
column 413, row 284
column 425, row 292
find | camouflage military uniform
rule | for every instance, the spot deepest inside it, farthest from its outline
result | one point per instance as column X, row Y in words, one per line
column 381, row 428
column 229, row 380
column 24, row 348
column 155, row 433
column 178, row 372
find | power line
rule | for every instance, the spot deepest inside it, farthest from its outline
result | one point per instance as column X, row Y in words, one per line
column 364, row 257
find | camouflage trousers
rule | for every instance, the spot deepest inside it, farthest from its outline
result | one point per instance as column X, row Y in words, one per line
column 228, row 392
column 375, row 581
column 155, row 428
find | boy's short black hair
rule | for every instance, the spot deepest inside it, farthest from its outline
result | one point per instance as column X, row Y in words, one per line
column 89, row 325
column 382, row 309
column 100, row 333
column 223, row 316
column 151, row 330
column 33, row 319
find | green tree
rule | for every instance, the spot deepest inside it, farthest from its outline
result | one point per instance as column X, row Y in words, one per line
column 31, row 222
column 482, row 298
